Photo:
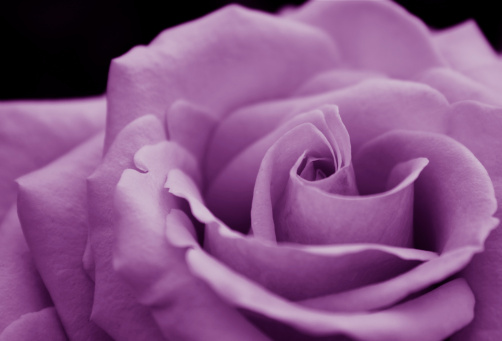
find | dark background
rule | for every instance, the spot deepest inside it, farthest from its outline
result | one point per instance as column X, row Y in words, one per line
column 62, row 48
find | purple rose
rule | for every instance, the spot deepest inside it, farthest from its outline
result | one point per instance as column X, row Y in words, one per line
column 330, row 172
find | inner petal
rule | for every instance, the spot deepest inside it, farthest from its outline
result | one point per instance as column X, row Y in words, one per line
column 317, row 215
column 314, row 169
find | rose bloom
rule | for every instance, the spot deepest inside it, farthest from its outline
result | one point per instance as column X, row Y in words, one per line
column 327, row 173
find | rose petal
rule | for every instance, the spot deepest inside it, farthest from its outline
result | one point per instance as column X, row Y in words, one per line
column 308, row 215
column 333, row 80
column 464, row 46
column 224, row 60
column 43, row 325
column 458, row 87
column 452, row 220
column 21, row 288
column 488, row 75
column 361, row 31
column 156, row 269
column 432, row 316
column 368, row 110
column 478, row 127
column 230, row 195
column 115, row 309
column 190, row 126
column 294, row 271
column 33, row 133
column 53, row 211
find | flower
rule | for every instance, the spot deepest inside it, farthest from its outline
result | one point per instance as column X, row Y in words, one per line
column 330, row 171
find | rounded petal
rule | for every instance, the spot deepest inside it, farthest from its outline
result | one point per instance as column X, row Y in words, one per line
column 373, row 35
column 229, row 58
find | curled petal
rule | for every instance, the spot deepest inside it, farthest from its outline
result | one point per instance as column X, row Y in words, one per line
column 113, row 298
column 154, row 267
column 367, row 109
column 449, row 219
column 432, row 316
column 230, row 194
column 291, row 270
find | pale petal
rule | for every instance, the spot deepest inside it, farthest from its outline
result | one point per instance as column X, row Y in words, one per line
column 230, row 195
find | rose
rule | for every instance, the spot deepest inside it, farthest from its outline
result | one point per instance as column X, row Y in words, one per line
column 271, row 78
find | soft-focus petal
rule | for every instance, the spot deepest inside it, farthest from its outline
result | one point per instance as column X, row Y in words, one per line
column 43, row 325
column 53, row 211
column 21, row 288
column 33, row 133
column 227, row 59
column 115, row 308
column 155, row 268
column 375, row 35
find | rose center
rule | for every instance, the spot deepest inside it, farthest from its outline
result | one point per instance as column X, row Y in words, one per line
column 313, row 169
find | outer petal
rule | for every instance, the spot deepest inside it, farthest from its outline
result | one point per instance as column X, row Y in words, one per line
column 229, row 58
column 432, row 316
column 33, row 133
column 373, row 35
column 478, row 127
column 115, row 308
column 43, row 325
column 53, row 211
column 464, row 46
column 155, row 268
column 21, row 288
